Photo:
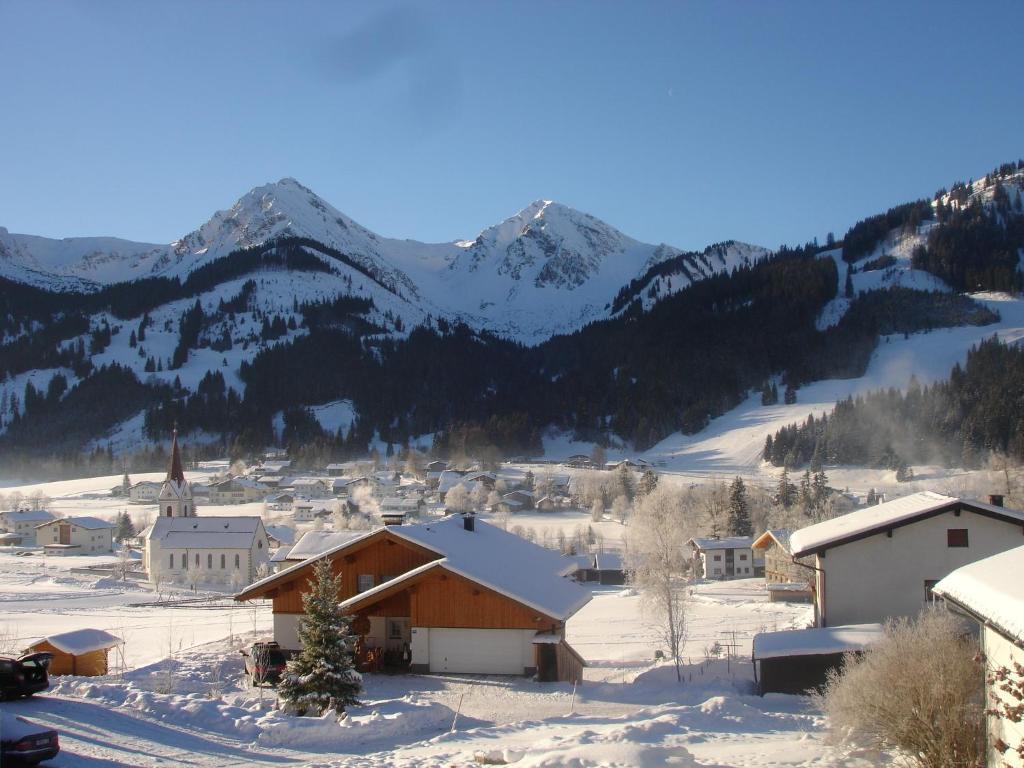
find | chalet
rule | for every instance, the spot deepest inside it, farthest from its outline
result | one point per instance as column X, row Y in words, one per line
column 280, row 535
column 335, row 470
column 76, row 536
column 144, row 492
column 282, row 502
column 312, row 487
column 237, row 490
column 275, row 467
column 208, row 549
column 448, row 480
column 609, row 568
column 883, row 561
column 82, row 652
column 579, row 461
column 302, row 512
column 728, row 558
column 23, row 522
column 524, row 499
column 991, row 592
column 785, row 580
column 454, row 595
column 270, row 481
column 397, row 504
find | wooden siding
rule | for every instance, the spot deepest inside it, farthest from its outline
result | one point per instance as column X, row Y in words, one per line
column 444, row 599
column 383, row 556
column 91, row 664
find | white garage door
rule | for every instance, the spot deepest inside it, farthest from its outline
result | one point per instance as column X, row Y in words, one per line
column 477, row 651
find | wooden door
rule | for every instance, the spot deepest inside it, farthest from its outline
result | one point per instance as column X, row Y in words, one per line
column 65, row 534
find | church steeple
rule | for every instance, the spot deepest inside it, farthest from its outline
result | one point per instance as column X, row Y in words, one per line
column 175, row 472
column 176, row 494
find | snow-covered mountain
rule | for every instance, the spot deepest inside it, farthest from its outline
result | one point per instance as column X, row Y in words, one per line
column 549, row 269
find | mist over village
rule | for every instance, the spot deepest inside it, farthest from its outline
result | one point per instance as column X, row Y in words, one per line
column 623, row 386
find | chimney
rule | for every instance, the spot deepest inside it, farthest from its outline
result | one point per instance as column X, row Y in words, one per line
column 469, row 521
column 995, row 499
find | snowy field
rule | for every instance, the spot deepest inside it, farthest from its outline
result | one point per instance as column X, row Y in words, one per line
column 192, row 708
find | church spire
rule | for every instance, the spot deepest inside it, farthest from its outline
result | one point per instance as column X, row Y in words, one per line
column 175, row 472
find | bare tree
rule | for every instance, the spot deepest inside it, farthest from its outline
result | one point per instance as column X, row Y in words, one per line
column 918, row 690
column 620, row 508
column 458, row 499
column 655, row 556
column 597, row 511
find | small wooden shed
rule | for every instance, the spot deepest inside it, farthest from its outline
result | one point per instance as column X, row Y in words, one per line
column 80, row 652
column 799, row 660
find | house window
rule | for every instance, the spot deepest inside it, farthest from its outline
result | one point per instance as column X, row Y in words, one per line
column 172, row 560
column 197, row 559
column 395, row 630
column 717, row 572
column 929, row 585
column 168, row 510
column 259, row 545
column 222, row 561
column 956, row 537
column 209, row 561
column 718, row 558
column 238, row 561
column 184, row 561
column 743, row 557
column 365, row 582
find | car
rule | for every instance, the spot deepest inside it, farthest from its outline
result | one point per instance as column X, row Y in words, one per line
column 25, row 743
column 264, row 663
column 24, row 675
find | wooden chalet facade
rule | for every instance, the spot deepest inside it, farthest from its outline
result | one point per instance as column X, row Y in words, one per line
column 442, row 597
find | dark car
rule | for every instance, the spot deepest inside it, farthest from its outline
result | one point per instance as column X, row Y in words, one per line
column 24, row 675
column 264, row 663
column 25, row 743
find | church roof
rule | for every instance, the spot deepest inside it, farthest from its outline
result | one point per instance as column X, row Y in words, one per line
column 176, row 472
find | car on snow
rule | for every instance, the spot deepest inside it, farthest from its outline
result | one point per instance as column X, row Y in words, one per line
column 25, row 743
column 24, row 675
column 264, row 663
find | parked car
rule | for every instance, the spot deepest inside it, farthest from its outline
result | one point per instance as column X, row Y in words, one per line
column 24, row 675
column 25, row 743
column 264, row 663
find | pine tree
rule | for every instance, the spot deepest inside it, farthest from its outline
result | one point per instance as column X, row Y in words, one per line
column 323, row 671
column 739, row 510
column 785, row 496
column 872, row 499
column 626, row 485
column 125, row 527
column 648, row 482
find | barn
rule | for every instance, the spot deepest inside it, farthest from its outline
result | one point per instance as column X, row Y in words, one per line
column 79, row 652
column 454, row 595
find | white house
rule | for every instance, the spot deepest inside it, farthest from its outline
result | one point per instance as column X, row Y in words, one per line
column 237, row 490
column 991, row 591
column 312, row 487
column 725, row 558
column 144, row 492
column 211, row 549
column 76, row 536
column 23, row 522
column 883, row 561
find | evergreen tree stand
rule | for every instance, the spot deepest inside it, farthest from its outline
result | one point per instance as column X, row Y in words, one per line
column 323, row 674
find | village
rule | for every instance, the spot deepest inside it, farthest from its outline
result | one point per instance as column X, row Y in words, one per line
column 484, row 577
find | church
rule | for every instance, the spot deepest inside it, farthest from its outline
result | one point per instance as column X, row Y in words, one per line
column 212, row 550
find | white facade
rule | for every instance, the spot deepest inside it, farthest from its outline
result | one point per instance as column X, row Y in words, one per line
column 144, row 492
column 1001, row 652
column 227, row 551
column 24, row 522
column 473, row 651
column 889, row 572
column 87, row 535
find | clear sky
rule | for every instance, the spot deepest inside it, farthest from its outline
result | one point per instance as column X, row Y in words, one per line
column 682, row 122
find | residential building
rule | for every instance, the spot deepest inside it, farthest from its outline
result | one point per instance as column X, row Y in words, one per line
column 453, row 596
column 991, row 592
column 23, row 522
column 76, row 536
column 725, row 558
column 786, row 580
column 144, row 492
column 882, row 562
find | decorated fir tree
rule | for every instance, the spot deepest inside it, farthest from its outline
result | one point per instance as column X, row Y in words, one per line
column 323, row 671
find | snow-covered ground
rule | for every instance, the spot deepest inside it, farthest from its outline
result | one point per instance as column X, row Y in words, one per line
column 191, row 707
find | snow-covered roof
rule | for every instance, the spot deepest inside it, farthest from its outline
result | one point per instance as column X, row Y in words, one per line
column 280, row 554
column 89, row 523
column 817, row 641
column 208, row 532
column 609, row 561
column 449, row 479
column 729, row 542
column 503, row 562
column 283, row 533
column 992, row 589
column 881, row 516
column 29, row 516
column 779, row 535
column 81, row 641
column 313, row 543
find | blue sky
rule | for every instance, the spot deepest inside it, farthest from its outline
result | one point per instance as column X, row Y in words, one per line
column 683, row 122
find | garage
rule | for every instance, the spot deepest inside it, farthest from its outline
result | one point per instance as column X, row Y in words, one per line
column 478, row 651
